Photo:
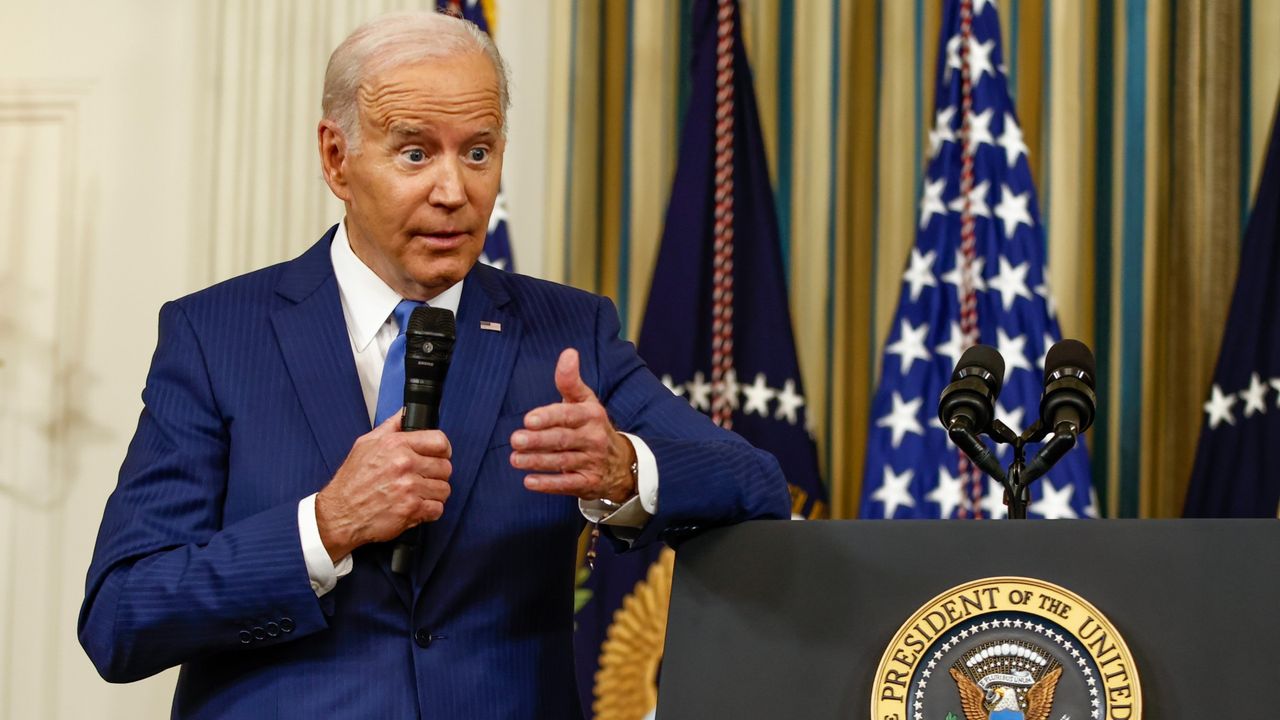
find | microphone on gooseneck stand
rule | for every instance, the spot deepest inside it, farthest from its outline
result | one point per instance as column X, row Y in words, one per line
column 428, row 347
column 967, row 406
column 1068, row 403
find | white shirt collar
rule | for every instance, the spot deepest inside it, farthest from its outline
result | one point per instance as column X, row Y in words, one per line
column 368, row 300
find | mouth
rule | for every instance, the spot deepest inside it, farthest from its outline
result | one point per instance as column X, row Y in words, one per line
column 446, row 239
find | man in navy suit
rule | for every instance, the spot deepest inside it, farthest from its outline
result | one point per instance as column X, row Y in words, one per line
column 247, row 537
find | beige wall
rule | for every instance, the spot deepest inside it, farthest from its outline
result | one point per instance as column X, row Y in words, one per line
column 147, row 148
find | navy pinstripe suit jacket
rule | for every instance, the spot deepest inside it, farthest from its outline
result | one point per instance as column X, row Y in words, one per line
column 253, row 402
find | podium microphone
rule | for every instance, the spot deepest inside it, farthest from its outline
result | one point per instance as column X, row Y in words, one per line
column 1068, row 403
column 428, row 348
column 966, row 407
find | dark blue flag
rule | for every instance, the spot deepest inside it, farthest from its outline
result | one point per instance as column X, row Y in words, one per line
column 717, row 330
column 976, row 274
column 497, row 244
column 1237, row 469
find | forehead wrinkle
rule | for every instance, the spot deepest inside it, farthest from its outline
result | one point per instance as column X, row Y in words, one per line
column 389, row 104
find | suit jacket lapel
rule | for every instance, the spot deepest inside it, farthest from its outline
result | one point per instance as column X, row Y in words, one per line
column 317, row 352
column 314, row 341
column 473, row 393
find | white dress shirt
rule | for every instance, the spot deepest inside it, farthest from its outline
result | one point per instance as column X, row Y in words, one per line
column 367, row 305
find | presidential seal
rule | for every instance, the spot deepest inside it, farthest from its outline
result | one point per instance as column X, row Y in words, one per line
column 1007, row 648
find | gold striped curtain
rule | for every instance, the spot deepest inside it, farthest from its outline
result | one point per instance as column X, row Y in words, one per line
column 1146, row 121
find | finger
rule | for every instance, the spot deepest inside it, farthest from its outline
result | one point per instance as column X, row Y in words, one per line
column 560, row 439
column 552, row 462
column 429, row 468
column 569, row 378
column 428, row 443
column 570, row 415
column 429, row 511
column 388, row 426
column 565, row 484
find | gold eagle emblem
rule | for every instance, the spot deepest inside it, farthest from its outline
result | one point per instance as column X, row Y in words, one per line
column 978, row 705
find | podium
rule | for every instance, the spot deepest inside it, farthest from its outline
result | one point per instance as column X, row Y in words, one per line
column 793, row 619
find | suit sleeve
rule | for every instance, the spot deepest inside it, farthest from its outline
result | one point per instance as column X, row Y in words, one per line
column 708, row 476
column 168, row 582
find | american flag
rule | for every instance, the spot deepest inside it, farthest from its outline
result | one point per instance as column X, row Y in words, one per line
column 497, row 243
column 977, row 273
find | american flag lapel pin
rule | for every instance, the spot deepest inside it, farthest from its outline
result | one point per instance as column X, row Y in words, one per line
column 491, row 325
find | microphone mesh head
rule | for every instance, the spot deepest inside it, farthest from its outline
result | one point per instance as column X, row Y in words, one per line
column 985, row 357
column 1070, row 353
column 436, row 321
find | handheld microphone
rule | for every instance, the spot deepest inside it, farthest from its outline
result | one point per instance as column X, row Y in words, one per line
column 428, row 348
column 966, row 407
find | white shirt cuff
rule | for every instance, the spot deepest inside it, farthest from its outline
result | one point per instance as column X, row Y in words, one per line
column 635, row 512
column 324, row 574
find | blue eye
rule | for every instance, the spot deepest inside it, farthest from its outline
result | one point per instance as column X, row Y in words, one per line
column 478, row 154
column 415, row 155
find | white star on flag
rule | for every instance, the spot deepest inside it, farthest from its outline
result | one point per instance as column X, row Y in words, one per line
column 895, row 492
column 902, row 418
column 977, row 201
column 953, row 56
column 1011, row 140
column 1048, row 343
column 788, row 402
column 980, row 130
column 942, row 132
column 949, row 494
column 980, row 60
column 992, row 503
column 1011, row 281
column 1054, row 504
column 1012, row 348
column 1013, row 210
column 931, row 204
column 699, row 392
column 730, row 387
column 758, row 395
column 1012, row 418
column 1275, row 383
column 955, row 346
column 952, row 276
column 1219, row 407
column 499, row 213
column 920, row 274
column 910, row 345
column 1255, row 398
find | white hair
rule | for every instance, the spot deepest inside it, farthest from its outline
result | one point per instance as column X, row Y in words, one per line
column 393, row 41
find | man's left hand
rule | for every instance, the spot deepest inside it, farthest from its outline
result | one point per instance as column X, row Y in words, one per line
column 570, row 447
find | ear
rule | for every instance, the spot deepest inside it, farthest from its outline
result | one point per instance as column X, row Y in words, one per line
column 333, row 158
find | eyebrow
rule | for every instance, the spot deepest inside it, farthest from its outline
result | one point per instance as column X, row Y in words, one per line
column 406, row 129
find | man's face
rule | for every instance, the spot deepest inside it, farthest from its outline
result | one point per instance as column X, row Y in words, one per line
column 419, row 192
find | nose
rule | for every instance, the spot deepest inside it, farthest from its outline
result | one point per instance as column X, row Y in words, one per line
column 447, row 188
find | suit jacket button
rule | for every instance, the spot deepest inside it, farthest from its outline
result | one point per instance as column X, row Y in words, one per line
column 245, row 637
column 259, row 633
column 422, row 637
column 273, row 629
column 286, row 625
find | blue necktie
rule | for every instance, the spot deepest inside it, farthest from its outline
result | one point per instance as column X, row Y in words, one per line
column 391, row 390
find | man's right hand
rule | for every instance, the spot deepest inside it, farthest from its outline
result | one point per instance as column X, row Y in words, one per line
column 390, row 482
